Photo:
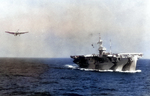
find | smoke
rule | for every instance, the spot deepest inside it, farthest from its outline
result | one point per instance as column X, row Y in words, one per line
column 68, row 27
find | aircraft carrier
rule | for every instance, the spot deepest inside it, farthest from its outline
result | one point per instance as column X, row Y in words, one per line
column 107, row 60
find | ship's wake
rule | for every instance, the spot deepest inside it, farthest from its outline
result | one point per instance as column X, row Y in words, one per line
column 74, row 66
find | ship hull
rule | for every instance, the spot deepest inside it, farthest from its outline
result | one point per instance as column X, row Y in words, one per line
column 106, row 63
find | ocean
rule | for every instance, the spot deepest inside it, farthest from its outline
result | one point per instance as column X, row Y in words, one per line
column 61, row 77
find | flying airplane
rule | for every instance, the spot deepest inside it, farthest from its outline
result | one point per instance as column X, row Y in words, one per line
column 15, row 33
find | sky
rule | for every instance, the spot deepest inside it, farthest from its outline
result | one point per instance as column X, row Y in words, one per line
column 60, row 28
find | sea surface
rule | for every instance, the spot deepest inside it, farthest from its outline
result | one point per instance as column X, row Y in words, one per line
column 61, row 77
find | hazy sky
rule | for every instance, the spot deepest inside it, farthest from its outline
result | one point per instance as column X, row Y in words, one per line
column 60, row 28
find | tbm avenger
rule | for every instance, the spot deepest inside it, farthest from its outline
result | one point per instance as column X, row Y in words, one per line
column 15, row 33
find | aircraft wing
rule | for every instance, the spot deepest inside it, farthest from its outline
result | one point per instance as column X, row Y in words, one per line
column 22, row 32
column 9, row 32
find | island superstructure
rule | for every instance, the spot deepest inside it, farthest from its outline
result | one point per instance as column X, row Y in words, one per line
column 107, row 60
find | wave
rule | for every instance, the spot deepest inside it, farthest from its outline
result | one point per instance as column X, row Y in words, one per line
column 74, row 66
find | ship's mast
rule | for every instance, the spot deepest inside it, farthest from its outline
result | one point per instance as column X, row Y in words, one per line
column 110, row 46
column 101, row 49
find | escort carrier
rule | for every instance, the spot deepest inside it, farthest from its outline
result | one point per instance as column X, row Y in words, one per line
column 107, row 60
